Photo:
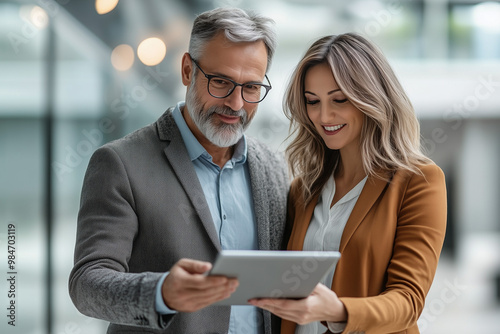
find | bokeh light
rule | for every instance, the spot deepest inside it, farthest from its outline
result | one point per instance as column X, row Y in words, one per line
column 151, row 51
column 122, row 57
column 39, row 18
column 105, row 6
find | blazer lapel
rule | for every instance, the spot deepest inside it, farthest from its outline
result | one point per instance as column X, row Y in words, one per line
column 303, row 218
column 178, row 158
column 260, row 197
column 371, row 191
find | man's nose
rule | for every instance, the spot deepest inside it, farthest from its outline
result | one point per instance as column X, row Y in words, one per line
column 235, row 100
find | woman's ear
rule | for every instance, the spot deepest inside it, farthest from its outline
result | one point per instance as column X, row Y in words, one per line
column 187, row 69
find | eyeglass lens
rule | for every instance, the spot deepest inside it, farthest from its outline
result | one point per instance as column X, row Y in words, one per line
column 220, row 87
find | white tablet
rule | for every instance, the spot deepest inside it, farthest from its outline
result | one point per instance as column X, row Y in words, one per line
column 273, row 274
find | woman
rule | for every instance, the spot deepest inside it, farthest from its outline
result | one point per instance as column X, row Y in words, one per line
column 363, row 187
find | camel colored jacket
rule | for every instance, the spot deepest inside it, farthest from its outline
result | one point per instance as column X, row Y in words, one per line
column 389, row 249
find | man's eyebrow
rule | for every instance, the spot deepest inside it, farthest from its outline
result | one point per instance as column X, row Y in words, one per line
column 218, row 74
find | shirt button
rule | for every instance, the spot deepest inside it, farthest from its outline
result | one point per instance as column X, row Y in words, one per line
column 224, row 217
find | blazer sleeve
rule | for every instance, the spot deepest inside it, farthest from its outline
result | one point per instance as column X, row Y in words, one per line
column 100, row 284
column 418, row 241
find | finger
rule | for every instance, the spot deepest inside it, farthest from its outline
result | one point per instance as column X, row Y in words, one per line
column 214, row 289
column 271, row 305
column 283, row 313
column 201, row 282
column 190, row 300
column 181, row 284
column 194, row 266
column 187, row 273
column 284, row 308
column 319, row 289
column 268, row 302
column 208, row 298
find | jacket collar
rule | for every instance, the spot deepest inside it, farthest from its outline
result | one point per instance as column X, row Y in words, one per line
column 167, row 129
column 371, row 191
column 180, row 161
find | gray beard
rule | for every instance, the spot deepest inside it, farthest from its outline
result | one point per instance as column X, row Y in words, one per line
column 218, row 133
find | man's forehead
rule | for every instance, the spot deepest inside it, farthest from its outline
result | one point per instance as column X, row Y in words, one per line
column 221, row 54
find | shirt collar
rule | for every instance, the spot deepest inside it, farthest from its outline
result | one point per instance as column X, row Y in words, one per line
column 193, row 146
column 330, row 188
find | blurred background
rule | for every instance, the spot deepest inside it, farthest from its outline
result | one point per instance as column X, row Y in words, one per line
column 76, row 74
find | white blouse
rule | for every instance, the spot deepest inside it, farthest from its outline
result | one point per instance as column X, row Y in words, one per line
column 324, row 233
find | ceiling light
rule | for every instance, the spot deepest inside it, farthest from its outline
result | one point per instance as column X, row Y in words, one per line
column 105, row 6
column 122, row 57
column 151, row 51
column 39, row 17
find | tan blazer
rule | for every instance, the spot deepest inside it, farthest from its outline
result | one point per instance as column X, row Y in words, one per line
column 389, row 250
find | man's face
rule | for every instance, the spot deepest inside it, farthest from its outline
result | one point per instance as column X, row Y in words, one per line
column 222, row 121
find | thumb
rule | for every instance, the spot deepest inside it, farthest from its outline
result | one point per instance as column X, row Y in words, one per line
column 194, row 266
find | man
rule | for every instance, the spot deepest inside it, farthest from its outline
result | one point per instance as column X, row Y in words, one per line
column 159, row 204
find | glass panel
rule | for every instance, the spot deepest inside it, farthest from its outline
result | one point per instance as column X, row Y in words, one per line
column 475, row 30
column 21, row 172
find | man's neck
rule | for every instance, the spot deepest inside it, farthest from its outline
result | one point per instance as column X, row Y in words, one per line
column 220, row 155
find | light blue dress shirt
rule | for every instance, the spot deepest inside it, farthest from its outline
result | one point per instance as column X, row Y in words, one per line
column 229, row 197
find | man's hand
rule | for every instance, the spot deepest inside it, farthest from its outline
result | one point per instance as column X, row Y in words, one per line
column 187, row 289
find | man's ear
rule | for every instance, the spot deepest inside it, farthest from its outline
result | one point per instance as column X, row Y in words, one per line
column 187, row 69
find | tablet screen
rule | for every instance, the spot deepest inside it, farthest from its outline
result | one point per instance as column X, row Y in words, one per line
column 273, row 274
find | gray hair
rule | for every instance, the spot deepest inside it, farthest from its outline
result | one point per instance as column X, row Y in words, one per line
column 237, row 25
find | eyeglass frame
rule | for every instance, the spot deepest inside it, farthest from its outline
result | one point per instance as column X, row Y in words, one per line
column 235, row 84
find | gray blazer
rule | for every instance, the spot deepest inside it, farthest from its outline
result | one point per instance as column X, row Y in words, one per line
column 142, row 209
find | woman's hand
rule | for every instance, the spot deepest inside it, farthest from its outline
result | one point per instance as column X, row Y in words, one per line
column 321, row 305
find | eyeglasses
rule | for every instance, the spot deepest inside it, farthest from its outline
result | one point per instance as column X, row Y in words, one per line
column 220, row 87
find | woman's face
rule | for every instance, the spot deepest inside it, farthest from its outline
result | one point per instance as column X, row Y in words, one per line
column 337, row 121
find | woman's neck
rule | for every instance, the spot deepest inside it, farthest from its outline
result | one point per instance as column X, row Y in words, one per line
column 350, row 168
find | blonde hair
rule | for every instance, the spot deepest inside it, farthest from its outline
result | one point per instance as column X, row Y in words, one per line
column 390, row 136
